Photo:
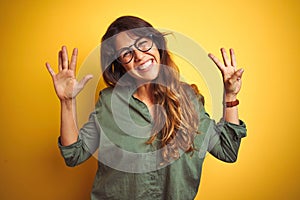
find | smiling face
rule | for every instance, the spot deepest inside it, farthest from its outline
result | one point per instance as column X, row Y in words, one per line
column 144, row 66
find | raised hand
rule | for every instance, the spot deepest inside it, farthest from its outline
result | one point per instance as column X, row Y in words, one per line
column 232, row 77
column 65, row 83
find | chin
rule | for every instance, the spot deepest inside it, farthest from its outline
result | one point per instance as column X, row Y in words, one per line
column 150, row 74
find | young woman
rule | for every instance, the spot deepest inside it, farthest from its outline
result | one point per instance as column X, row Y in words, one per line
column 151, row 129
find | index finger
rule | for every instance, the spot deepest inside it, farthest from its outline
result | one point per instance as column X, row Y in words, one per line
column 219, row 64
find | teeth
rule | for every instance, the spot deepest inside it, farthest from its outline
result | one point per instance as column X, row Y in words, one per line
column 145, row 65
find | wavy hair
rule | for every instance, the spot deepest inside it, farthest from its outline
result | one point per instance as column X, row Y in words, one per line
column 175, row 125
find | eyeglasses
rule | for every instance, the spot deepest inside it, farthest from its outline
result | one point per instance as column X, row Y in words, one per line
column 142, row 44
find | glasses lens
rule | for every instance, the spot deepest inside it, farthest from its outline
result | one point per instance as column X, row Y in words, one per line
column 125, row 55
column 144, row 44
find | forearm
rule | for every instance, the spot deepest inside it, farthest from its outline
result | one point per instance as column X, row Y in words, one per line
column 230, row 114
column 68, row 125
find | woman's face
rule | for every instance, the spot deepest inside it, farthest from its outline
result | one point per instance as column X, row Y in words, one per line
column 144, row 65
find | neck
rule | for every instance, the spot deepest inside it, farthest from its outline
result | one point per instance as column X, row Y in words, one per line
column 144, row 93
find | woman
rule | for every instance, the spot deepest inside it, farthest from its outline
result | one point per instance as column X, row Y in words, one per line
column 151, row 130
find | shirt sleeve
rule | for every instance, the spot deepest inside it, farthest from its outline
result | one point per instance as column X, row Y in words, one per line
column 87, row 143
column 221, row 139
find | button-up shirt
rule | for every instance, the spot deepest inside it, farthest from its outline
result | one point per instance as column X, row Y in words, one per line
column 128, row 168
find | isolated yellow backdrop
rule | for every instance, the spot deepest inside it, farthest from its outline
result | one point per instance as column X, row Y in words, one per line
column 265, row 35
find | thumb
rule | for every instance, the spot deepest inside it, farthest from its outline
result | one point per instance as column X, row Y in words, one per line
column 238, row 74
column 84, row 80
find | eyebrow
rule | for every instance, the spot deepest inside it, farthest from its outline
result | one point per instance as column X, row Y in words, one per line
column 127, row 47
column 135, row 40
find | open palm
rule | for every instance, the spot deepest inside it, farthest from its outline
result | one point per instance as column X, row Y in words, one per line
column 231, row 76
column 65, row 83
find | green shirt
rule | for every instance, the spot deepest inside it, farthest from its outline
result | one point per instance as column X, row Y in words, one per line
column 128, row 168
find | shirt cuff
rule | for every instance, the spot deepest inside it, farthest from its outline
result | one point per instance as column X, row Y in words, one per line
column 240, row 129
column 68, row 151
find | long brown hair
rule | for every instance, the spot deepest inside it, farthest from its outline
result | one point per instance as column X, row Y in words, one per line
column 176, row 124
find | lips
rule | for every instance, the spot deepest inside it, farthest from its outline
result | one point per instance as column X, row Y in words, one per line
column 145, row 65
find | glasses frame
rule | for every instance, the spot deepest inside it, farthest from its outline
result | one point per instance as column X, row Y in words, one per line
column 150, row 36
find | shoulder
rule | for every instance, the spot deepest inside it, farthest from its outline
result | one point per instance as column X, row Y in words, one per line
column 104, row 96
column 118, row 90
column 114, row 93
column 193, row 92
column 106, row 91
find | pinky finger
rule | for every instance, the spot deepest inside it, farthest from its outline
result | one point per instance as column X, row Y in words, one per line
column 233, row 59
column 50, row 70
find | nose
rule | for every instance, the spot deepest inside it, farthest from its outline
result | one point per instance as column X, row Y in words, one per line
column 138, row 55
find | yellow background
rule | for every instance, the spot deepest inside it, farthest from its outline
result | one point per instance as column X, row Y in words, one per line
column 265, row 35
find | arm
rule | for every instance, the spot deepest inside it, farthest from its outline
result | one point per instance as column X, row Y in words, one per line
column 232, row 79
column 68, row 122
column 223, row 139
column 67, row 88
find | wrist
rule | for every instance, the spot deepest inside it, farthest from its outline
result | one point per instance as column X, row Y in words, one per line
column 68, row 103
column 230, row 97
column 230, row 104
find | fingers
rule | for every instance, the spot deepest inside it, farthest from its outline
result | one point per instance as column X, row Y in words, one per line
column 64, row 56
column 59, row 60
column 238, row 74
column 50, row 70
column 63, row 60
column 216, row 61
column 227, row 61
column 233, row 59
column 225, row 57
column 73, row 59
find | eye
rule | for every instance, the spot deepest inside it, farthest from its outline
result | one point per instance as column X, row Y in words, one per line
column 125, row 53
column 144, row 44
